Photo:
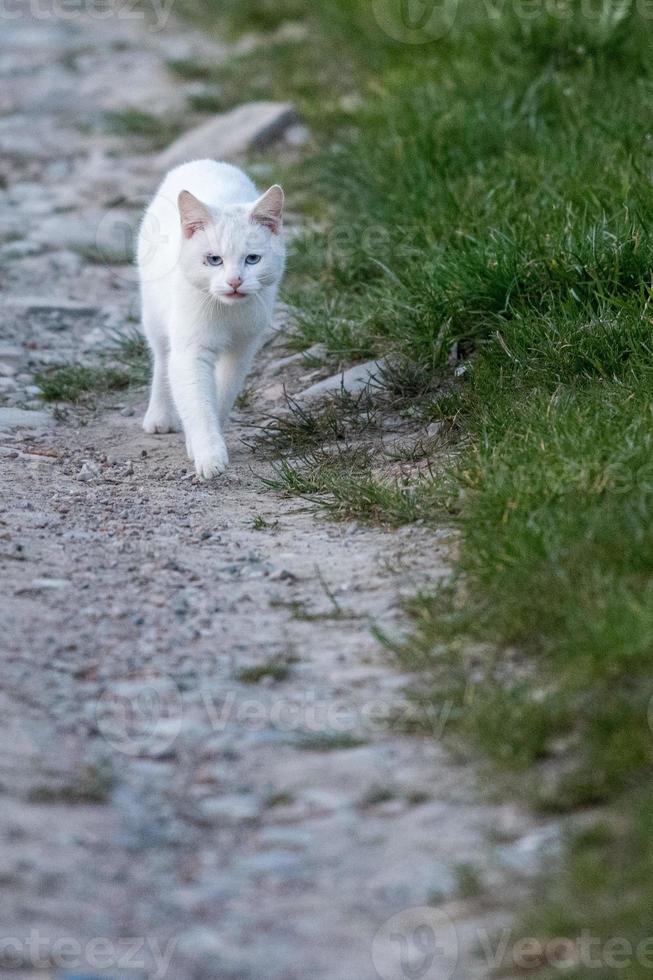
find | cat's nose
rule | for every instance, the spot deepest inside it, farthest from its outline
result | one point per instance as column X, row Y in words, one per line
column 235, row 282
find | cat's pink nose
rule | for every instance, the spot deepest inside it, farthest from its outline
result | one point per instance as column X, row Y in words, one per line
column 235, row 282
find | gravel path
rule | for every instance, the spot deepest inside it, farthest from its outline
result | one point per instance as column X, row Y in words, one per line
column 199, row 777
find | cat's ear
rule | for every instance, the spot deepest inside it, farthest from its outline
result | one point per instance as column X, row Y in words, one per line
column 194, row 215
column 268, row 210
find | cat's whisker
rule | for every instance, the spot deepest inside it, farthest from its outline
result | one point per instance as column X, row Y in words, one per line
column 259, row 299
column 203, row 308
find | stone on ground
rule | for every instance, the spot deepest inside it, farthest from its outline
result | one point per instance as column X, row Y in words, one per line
column 354, row 380
column 229, row 135
column 20, row 418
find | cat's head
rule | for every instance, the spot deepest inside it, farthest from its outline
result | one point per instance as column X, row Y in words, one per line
column 236, row 251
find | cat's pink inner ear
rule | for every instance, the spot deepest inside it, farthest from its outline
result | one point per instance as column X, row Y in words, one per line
column 268, row 210
column 194, row 215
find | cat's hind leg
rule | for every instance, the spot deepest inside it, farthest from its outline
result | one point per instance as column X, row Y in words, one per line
column 161, row 415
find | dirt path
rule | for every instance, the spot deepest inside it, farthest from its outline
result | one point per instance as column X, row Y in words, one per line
column 197, row 761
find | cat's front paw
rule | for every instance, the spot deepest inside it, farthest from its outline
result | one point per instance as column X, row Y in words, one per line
column 160, row 422
column 211, row 463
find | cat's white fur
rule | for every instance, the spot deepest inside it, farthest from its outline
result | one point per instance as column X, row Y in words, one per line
column 203, row 330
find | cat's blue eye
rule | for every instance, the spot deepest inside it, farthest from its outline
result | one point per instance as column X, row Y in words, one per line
column 213, row 260
column 252, row 259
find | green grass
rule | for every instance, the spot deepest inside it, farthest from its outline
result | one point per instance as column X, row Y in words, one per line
column 485, row 203
column 259, row 15
column 558, row 551
column 376, row 795
column 69, row 59
column 212, row 98
column 279, row 798
column 314, row 70
column 190, row 69
column 277, row 669
column 328, row 741
column 129, row 349
column 347, row 487
column 606, row 892
column 331, row 454
column 245, row 398
column 300, row 611
column 92, row 784
column 124, row 363
column 100, row 255
column 72, row 382
column 469, row 883
column 209, row 102
column 302, row 427
column 260, row 523
column 156, row 131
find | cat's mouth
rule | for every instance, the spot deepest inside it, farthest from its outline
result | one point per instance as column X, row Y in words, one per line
column 235, row 294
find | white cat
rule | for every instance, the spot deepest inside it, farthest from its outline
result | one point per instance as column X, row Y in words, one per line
column 210, row 257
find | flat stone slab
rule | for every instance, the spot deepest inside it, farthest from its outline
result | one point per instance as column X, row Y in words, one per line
column 21, row 418
column 230, row 134
column 353, row 380
column 304, row 356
